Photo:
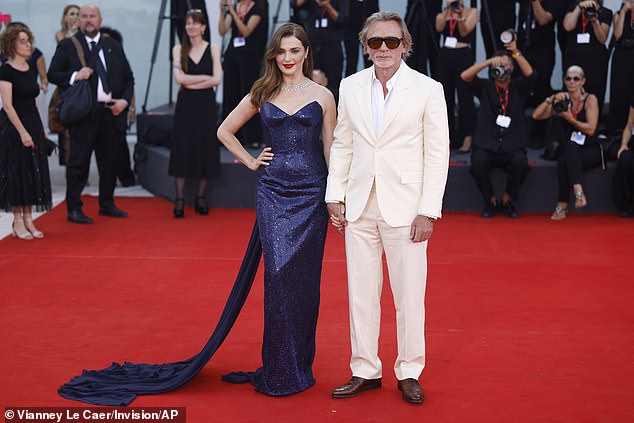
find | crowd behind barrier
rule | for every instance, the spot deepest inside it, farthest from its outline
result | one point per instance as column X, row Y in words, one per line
column 492, row 121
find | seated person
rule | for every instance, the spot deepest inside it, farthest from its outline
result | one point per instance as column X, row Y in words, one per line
column 578, row 113
column 501, row 133
column 623, row 184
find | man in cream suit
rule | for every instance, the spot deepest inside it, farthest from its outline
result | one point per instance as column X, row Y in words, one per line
column 388, row 169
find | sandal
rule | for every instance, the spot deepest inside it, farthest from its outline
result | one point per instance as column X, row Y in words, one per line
column 580, row 200
column 559, row 214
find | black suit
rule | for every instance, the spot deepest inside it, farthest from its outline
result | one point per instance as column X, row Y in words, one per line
column 100, row 130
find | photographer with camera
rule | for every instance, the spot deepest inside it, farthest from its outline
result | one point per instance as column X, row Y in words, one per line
column 501, row 133
column 622, row 85
column 578, row 113
column 588, row 25
column 623, row 184
column 457, row 24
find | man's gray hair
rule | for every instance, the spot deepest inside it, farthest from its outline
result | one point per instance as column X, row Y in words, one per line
column 386, row 16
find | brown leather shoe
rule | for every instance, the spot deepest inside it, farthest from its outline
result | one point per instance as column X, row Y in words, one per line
column 412, row 392
column 355, row 386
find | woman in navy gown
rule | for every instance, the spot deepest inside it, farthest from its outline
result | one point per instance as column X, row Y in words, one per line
column 290, row 208
column 298, row 117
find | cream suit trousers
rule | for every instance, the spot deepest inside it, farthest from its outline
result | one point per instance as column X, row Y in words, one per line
column 366, row 240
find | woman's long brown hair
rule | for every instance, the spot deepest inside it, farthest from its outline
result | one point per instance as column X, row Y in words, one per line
column 269, row 83
column 195, row 15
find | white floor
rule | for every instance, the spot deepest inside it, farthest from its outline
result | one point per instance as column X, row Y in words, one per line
column 58, row 185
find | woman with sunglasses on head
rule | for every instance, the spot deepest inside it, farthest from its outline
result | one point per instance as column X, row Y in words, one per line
column 501, row 133
column 24, row 177
column 457, row 24
column 588, row 25
column 578, row 113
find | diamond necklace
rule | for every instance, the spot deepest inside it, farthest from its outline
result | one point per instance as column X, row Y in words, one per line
column 295, row 87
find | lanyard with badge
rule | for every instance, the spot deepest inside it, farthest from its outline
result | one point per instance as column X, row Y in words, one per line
column 584, row 36
column 240, row 41
column 577, row 136
column 451, row 41
column 323, row 21
column 503, row 120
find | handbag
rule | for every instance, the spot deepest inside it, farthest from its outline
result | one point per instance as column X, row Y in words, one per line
column 55, row 124
column 49, row 146
column 77, row 100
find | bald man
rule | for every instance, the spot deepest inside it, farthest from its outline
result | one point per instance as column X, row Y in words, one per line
column 110, row 77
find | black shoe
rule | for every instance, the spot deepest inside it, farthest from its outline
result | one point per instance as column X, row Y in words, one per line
column 112, row 211
column 179, row 208
column 510, row 210
column 78, row 216
column 626, row 213
column 201, row 206
column 490, row 210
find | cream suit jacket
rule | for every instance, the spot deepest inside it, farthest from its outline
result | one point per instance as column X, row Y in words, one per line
column 408, row 160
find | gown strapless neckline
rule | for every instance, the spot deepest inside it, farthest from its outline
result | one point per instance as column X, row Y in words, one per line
column 297, row 111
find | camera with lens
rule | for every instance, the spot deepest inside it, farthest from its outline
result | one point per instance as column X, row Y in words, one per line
column 496, row 72
column 590, row 12
column 508, row 36
column 561, row 106
column 455, row 5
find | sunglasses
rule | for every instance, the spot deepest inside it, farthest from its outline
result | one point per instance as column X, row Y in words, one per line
column 572, row 78
column 391, row 42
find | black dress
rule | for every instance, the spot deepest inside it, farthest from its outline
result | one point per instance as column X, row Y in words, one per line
column 622, row 84
column 194, row 149
column 24, row 176
column 592, row 57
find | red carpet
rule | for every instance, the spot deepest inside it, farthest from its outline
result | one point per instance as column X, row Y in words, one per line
column 527, row 320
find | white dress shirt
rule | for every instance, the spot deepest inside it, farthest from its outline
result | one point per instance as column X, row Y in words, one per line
column 102, row 96
column 381, row 102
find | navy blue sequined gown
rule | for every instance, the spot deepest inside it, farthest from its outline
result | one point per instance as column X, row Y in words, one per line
column 292, row 219
column 291, row 232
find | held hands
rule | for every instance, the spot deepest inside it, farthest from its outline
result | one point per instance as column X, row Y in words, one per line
column 337, row 212
column 27, row 141
column 263, row 159
column 84, row 73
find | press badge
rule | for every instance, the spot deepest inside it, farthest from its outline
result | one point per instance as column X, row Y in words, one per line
column 503, row 121
column 451, row 42
column 578, row 137
column 239, row 42
column 583, row 38
column 324, row 22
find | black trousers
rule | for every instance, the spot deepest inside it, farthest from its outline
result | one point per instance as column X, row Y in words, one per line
column 621, row 88
column 329, row 58
column 451, row 63
column 101, row 134
column 513, row 162
column 238, row 78
column 571, row 163
column 623, row 182
column 124, row 170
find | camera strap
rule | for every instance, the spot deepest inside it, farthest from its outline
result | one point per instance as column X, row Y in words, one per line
column 452, row 24
column 584, row 21
column 504, row 100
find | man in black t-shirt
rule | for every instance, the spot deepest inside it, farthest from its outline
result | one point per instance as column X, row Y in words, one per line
column 501, row 133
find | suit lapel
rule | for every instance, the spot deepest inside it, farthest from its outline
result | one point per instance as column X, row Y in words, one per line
column 400, row 96
column 365, row 102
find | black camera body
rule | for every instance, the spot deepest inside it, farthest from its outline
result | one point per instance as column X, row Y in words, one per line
column 561, row 105
column 496, row 72
column 455, row 5
column 590, row 12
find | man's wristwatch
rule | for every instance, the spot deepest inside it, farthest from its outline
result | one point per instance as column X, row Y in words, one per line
column 431, row 219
